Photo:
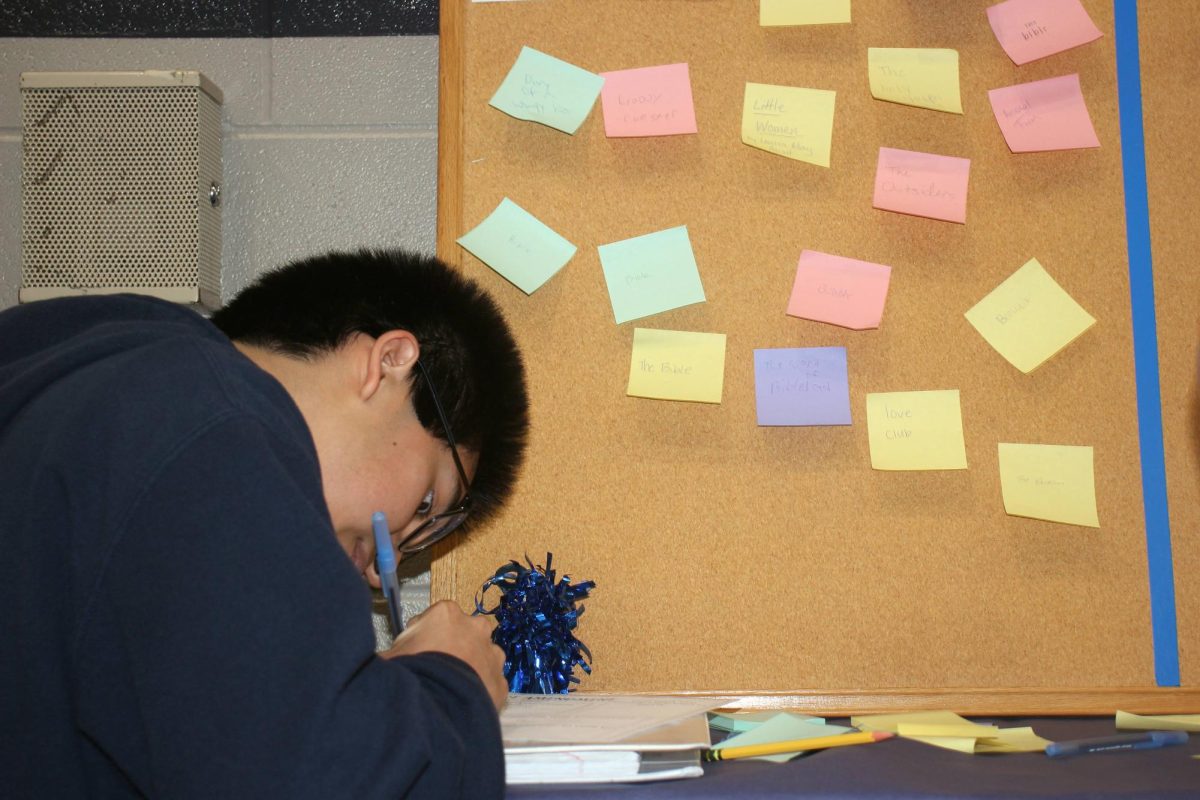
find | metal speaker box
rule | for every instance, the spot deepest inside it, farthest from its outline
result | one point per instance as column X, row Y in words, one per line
column 121, row 185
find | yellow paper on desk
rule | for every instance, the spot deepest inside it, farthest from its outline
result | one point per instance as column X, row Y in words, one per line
column 1163, row 722
column 966, row 729
column 891, row 722
column 1012, row 740
column 912, row 76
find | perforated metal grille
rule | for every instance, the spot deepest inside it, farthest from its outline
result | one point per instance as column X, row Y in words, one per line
column 111, row 187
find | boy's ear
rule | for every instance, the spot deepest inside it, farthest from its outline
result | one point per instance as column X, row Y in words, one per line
column 391, row 358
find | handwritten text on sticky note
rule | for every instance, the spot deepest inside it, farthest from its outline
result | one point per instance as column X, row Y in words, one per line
column 927, row 78
column 650, row 274
column 519, row 246
column 677, row 365
column 803, row 12
column 789, row 121
column 1044, row 115
column 1033, row 29
column 801, row 386
column 916, row 430
column 1029, row 317
column 542, row 88
column 922, row 184
column 840, row 291
column 650, row 101
column 1051, row 482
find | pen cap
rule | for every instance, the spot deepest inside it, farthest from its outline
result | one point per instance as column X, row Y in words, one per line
column 385, row 556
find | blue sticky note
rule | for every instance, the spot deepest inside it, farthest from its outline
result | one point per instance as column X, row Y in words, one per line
column 519, row 246
column 802, row 386
column 542, row 88
column 651, row 274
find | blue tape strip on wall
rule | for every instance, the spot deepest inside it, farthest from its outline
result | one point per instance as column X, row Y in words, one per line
column 1145, row 348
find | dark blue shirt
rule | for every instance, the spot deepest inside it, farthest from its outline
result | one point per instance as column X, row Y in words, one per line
column 176, row 616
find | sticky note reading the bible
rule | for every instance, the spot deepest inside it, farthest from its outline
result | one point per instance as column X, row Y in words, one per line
column 1044, row 115
column 840, row 291
column 650, row 274
column 801, row 386
column 926, row 78
column 651, row 101
column 916, row 430
column 677, row 365
column 1029, row 317
column 789, row 121
column 803, row 12
column 1048, row 481
column 922, row 184
column 1033, row 29
column 542, row 88
column 518, row 246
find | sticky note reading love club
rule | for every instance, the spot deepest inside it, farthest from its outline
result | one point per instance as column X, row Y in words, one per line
column 916, row 430
column 650, row 101
column 1052, row 482
column 926, row 78
column 542, row 88
column 677, row 365
column 801, row 386
column 1033, row 29
column 650, row 274
column 840, row 291
column 789, row 121
column 922, row 184
column 803, row 12
column 1044, row 115
column 519, row 246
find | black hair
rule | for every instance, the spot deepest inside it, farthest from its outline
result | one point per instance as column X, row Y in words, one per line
column 315, row 305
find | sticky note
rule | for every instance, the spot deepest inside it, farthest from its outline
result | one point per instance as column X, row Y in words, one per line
column 1044, row 115
column 519, row 246
column 922, row 77
column 916, row 430
column 803, row 12
column 677, row 365
column 1048, row 481
column 1028, row 318
column 1159, row 722
column 650, row 101
column 789, row 121
column 802, row 386
column 650, row 274
column 542, row 88
column 1033, row 29
column 892, row 722
column 783, row 727
column 840, row 291
column 922, row 184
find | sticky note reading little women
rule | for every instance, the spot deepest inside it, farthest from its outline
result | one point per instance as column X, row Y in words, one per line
column 922, row 184
column 916, row 430
column 1051, row 482
column 926, row 78
column 542, row 88
column 789, row 121
column 677, row 365
column 1029, row 317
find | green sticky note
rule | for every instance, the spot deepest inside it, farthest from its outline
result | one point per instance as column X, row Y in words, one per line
column 651, row 274
column 783, row 727
column 519, row 246
column 542, row 88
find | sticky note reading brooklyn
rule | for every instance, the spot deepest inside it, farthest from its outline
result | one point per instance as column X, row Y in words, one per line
column 840, row 291
column 789, row 121
column 922, row 184
column 803, row 12
column 1033, row 29
column 651, row 101
column 1049, row 481
column 651, row 274
column 801, row 386
column 916, row 430
column 542, row 88
column 1044, row 115
column 519, row 246
column 926, row 78
column 677, row 365
column 1029, row 317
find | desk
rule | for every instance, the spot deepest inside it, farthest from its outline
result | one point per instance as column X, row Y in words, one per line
column 899, row 769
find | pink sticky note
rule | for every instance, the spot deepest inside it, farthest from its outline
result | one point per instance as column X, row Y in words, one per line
column 922, row 184
column 1033, row 29
column 650, row 101
column 1044, row 115
column 840, row 291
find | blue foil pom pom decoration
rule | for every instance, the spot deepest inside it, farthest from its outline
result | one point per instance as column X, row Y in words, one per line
column 535, row 617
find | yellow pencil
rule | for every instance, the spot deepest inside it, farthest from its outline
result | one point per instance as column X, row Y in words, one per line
column 795, row 745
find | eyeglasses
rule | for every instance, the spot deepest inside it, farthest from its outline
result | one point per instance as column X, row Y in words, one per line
column 439, row 526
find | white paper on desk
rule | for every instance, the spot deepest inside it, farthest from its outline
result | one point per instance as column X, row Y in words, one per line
column 575, row 719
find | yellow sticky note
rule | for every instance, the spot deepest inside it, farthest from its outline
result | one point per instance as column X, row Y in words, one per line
column 892, row 722
column 677, row 365
column 789, row 121
column 1012, row 740
column 922, row 77
column 946, row 729
column 803, row 12
column 1029, row 317
column 1048, row 481
column 916, row 430
column 1160, row 722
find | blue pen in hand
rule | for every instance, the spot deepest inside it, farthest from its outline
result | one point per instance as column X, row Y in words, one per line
column 385, row 563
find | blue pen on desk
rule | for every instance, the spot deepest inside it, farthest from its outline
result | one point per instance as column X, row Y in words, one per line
column 385, row 563
column 1149, row 740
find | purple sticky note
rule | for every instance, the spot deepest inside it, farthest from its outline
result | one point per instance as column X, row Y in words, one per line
column 802, row 386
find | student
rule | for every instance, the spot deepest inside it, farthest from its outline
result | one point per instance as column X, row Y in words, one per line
column 185, row 536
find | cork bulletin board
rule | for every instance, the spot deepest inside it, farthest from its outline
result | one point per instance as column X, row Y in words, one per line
column 773, row 564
